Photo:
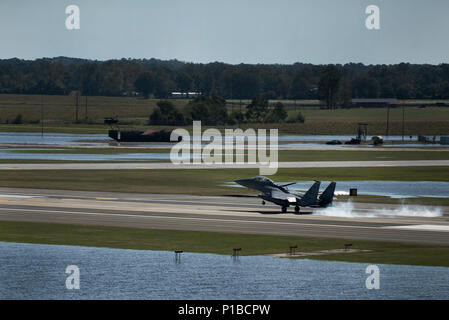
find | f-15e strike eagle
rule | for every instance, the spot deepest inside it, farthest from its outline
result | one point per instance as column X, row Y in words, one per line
column 280, row 195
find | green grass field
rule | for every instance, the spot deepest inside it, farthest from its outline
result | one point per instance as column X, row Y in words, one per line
column 60, row 116
column 221, row 243
column 62, row 109
column 209, row 182
column 349, row 155
column 56, row 128
column 283, row 155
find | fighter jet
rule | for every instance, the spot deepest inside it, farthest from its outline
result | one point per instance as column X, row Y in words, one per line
column 280, row 195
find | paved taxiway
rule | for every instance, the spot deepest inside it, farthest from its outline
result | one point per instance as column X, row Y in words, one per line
column 169, row 165
column 218, row 214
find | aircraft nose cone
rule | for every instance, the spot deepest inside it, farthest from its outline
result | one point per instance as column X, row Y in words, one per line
column 242, row 182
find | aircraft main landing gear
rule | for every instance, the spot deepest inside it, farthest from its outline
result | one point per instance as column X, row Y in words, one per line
column 263, row 203
column 297, row 209
column 284, row 209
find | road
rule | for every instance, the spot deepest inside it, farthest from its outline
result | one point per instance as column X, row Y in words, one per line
column 216, row 214
column 168, row 165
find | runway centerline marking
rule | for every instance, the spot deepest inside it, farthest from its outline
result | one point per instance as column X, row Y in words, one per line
column 421, row 227
column 16, row 196
column 64, row 197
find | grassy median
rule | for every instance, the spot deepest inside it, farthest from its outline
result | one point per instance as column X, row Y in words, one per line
column 200, row 181
column 220, row 243
column 283, row 155
column 60, row 115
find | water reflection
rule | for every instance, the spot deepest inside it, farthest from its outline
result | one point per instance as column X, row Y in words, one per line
column 33, row 271
column 104, row 140
column 393, row 189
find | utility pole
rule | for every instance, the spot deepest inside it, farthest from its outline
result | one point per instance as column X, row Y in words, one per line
column 231, row 91
column 388, row 119
column 76, row 107
column 403, row 121
column 85, row 118
column 42, row 115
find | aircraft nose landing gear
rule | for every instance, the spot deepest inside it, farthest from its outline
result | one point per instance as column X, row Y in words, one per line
column 284, row 209
column 297, row 209
column 263, row 203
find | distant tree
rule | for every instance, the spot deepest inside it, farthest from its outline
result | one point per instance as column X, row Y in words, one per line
column 271, row 94
column 210, row 110
column 112, row 80
column 257, row 110
column 197, row 81
column 387, row 90
column 345, row 93
column 18, row 119
column 184, row 82
column 405, row 91
column 240, row 82
column 157, row 118
column 300, row 117
column 166, row 114
column 277, row 114
column 442, row 90
column 235, row 117
column 164, row 85
column 145, row 84
column 166, row 107
column 328, row 85
column 61, row 75
column 90, row 79
column 365, row 87
column 283, row 86
column 300, row 88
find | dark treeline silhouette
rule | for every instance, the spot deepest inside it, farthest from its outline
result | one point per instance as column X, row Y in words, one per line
column 212, row 111
column 333, row 84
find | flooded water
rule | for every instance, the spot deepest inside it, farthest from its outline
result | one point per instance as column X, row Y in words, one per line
column 393, row 189
column 53, row 138
column 11, row 153
column 343, row 138
column 34, row 271
column 70, row 139
column 357, row 146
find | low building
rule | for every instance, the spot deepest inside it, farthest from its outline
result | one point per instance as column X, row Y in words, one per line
column 184, row 95
column 374, row 103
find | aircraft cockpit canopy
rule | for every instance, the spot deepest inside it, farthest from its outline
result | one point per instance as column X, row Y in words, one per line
column 263, row 179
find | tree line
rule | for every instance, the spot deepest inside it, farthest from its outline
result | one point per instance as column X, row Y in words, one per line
column 334, row 84
column 212, row 111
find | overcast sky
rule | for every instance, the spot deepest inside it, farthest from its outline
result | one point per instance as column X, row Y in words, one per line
column 231, row 31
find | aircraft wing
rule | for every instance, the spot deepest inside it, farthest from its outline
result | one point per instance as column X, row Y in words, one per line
column 307, row 199
column 278, row 194
column 299, row 194
column 287, row 184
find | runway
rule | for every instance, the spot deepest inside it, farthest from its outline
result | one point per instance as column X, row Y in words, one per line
column 169, row 165
column 215, row 214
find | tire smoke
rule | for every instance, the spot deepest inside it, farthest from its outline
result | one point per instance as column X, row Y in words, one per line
column 346, row 210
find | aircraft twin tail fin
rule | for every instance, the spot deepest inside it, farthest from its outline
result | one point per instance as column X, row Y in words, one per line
column 327, row 196
column 310, row 197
